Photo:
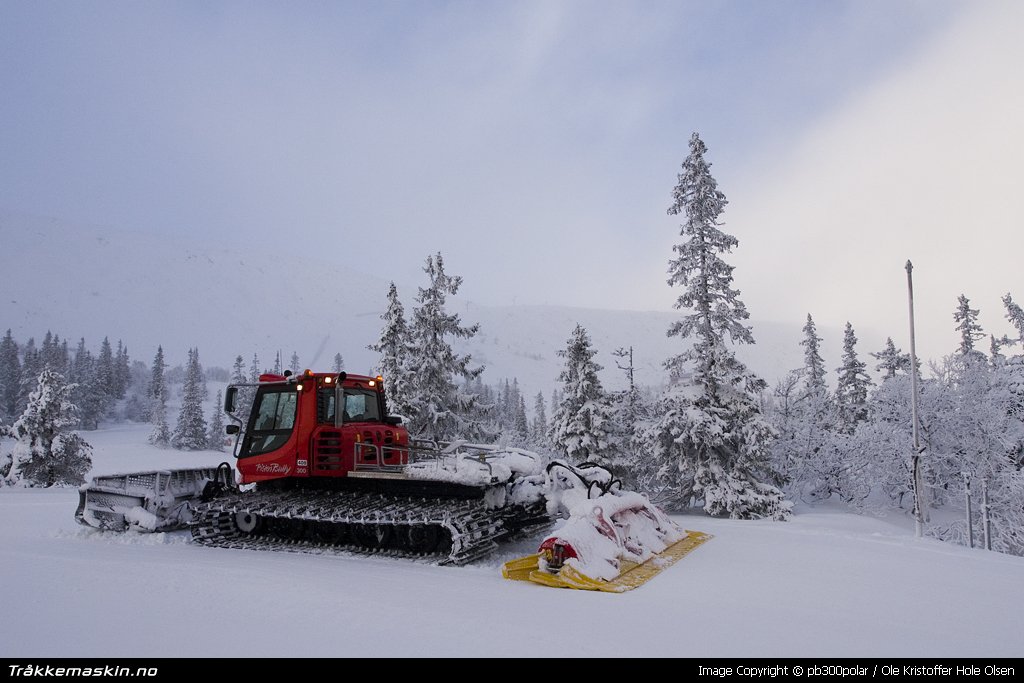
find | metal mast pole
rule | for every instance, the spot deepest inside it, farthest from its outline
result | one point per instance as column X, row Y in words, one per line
column 915, row 459
column 967, row 498
column 986, row 520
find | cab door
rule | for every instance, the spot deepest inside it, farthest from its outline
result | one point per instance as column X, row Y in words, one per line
column 328, row 456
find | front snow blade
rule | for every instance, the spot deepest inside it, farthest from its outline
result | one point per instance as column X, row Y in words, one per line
column 631, row 576
column 159, row 500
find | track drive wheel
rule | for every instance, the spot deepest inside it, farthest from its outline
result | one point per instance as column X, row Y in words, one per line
column 247, row 522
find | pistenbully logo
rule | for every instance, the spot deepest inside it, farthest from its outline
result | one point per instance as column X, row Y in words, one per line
column 272, row 468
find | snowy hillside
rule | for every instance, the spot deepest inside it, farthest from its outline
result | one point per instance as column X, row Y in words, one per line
column 826, row 584
column 85, row 281
column 93, row 282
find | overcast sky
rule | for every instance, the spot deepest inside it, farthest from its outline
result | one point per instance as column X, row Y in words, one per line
column 536, row 143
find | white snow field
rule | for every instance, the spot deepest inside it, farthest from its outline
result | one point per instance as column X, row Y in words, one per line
column 826, row 583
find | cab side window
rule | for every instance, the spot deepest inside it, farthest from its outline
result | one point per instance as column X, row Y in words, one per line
column 325, row 406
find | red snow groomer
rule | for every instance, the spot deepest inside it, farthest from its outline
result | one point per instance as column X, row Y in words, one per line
column 321, row 464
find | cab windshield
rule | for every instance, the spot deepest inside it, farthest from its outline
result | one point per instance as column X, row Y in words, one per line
column 361, row 405
column 272, row 420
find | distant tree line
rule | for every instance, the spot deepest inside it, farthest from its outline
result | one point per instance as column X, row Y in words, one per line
column 48, row 390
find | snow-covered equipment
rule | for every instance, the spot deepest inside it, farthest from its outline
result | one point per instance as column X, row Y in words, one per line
column 320, row 463
column 158, row 500
column 611, row 540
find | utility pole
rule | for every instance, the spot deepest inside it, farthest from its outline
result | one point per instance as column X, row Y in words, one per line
column 967, row 499
column 986, row 520
column 915, row 459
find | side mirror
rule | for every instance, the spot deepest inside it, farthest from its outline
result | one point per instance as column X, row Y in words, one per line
column 229, row 400
column 394, row 420
column 231, row 429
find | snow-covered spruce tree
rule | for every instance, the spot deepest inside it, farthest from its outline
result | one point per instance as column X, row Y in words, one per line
column 501, row 402
column 804, row 415
column 136, row 408
column 161, row 432
column 254, row 369
column 485, row 413
column 46, row 351
column 339, row 363
column 215, row 437
column 31, row 366
column 1011, row 371
column 521, row 423
column 246, row 395
column 509, row 411
column 10, row 377
column 105, row 370
column 238, row 370
column 539, row 427
column 243, row 401
column 780, row 408
column 815, row 409
column 45, row 454
column 440, row 409
column 278, row 366
column 63, row 358
column 582, row 425
column 88, row 394
column 204, row 392
column 710, row 441
column 966, row 319
column 995, row 350
column 891, row 360
column 836, row 465
column 853, row 387
column 53, row 354
column 293, row 364
column 395, row 354
column 814, row 365
column 157, row 385
column 1011, row 376
column 1015, row 315
column 190, row 432
column 122, row 370
column 1013, row 368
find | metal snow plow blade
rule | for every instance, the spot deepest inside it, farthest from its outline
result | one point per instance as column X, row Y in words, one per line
column 631, row 575
column 159, row 500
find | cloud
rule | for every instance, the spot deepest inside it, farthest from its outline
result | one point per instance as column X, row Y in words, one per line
column 925, row 164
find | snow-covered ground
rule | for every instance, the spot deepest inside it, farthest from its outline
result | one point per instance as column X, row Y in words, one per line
column 826, row 583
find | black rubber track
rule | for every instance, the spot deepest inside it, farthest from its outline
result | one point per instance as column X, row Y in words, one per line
column 455, row 531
